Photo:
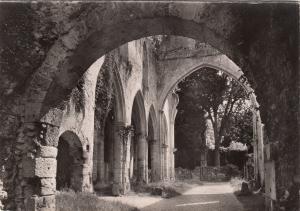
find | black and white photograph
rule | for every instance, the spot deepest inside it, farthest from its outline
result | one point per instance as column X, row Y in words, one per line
column 144, row 105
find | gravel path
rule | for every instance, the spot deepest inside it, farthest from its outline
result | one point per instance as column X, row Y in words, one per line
column 206, row 197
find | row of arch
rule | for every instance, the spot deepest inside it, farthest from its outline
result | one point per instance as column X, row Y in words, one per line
column 148, row 141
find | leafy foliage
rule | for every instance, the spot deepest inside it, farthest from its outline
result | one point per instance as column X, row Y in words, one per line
column 104, row 91
column 78, row 96
column 221, row 100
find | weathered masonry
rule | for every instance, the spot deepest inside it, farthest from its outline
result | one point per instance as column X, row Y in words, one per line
column 87, row 90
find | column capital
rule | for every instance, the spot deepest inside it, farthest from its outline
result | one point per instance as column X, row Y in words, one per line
column 164, row 146
column 141, row 136
column 150, row 140
column 119, row 124
column 125, row 131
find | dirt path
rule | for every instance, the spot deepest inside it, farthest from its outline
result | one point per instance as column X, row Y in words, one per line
column 206, row 197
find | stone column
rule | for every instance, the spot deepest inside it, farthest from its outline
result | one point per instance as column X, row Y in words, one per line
column 100, row 159
column 142, row 144
column 155, row 161
column 172, row 163
column 127, row 136
column 35, row 155
column 165, row 161
column 146, row 161
column 118, row 159
column 160, row 148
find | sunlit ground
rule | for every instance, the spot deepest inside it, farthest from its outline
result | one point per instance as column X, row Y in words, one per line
column 139, row 201
column 210, row 188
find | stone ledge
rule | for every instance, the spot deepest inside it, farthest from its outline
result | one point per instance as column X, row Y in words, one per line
column 39, row 167
column 47, row 152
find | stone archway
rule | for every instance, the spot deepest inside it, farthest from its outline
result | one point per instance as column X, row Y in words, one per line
column 177, row 70
column 138, row 145
column 108, row 149
column 70, row 161
column 206, row 24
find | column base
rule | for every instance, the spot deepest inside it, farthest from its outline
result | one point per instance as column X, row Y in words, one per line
column 43, row 203
column 117, row 189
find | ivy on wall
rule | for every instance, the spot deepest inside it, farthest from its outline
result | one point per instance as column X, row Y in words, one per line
column 104, row 91
column 78, row 96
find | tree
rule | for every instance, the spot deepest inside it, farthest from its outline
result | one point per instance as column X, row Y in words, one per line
column 219, row 96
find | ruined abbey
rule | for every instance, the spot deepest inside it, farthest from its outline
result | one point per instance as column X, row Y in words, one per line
column 87, row 90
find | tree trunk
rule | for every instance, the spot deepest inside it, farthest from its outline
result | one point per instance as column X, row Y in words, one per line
column 217, row 144
column 217, row 152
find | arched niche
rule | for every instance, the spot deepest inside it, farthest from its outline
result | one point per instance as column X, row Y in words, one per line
column 69, row 162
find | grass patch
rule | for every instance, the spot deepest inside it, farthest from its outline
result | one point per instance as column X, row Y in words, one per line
column 81, row 201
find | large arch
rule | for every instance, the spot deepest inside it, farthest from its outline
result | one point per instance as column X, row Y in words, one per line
column 86, row 49
column 105, row 140
column 179, row 69
column 204, row 22
column 90, row 38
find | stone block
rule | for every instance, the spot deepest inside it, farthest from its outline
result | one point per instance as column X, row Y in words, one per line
column 41, row 203
column 48, row 186
column 47, row 152
column 45, row 167
column 40, row 167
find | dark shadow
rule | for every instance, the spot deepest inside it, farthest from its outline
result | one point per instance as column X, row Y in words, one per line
column 252, row 202
column 209, row 202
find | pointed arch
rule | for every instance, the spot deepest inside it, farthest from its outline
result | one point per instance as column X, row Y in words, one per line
column 120, row 114
column 138, row 113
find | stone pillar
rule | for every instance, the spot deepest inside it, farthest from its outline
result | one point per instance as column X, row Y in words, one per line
column 146, row 161
column 172, row 162
column 127, row 136
column 142, row 146
column 118, row 159
column 160, row 147
column 155, row 160
column 165, row 161
column 36, row 160
column 100, row 159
